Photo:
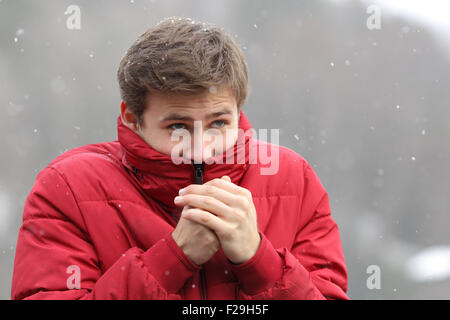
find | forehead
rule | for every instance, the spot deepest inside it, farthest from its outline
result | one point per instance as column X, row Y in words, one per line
column 215, row 102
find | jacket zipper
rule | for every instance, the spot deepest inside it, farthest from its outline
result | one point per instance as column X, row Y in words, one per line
column 199, row 170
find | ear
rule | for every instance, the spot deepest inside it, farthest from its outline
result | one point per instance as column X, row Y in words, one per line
column 128, row 118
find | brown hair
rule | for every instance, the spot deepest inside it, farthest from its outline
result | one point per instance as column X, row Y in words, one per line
column 180, row 55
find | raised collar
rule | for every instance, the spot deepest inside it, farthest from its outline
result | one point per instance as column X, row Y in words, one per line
column 161, row 178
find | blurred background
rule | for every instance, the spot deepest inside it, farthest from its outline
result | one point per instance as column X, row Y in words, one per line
column 358, row 88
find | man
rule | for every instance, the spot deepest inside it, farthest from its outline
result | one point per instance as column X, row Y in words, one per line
column 133, row 219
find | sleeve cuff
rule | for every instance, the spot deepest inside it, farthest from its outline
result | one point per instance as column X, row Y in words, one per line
column 168, row 264
column 261, row 271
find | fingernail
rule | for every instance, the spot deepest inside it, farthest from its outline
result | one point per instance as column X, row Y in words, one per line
column 177, row 199
column 181, row 191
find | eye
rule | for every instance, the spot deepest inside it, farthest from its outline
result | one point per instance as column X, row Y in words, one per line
column 177, row 126
column 219, row 123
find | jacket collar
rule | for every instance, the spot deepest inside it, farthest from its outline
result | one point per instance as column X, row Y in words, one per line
column 161, row 178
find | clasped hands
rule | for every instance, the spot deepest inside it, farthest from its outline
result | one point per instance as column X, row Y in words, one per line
column 217, row 213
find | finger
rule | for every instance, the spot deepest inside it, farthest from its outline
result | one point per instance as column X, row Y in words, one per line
column 205, row 218
column 207, row 203
column 212, row 191
column 226, row 184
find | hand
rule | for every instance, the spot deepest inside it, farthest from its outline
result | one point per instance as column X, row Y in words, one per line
column 197, row 242
column 228, row 210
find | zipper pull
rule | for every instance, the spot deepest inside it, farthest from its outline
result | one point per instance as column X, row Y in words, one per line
column 199, row 168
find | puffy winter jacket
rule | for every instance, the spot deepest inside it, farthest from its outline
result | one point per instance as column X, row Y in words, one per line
column 104, row 213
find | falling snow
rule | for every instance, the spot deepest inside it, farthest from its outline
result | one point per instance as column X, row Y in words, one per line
column 374, row 108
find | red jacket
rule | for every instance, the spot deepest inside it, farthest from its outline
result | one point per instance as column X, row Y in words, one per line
column 106, row 211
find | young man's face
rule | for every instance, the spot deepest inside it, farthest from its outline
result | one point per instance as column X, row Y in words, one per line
column 204, row 125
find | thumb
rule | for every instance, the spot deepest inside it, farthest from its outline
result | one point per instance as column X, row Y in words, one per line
column 226, row 178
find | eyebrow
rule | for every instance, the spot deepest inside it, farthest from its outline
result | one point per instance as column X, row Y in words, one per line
column 180, row 117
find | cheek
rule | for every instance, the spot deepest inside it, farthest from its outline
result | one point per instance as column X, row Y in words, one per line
column 230, row 137
column 159, row 140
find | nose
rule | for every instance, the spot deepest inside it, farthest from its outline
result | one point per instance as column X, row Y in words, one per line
column 201, row 143
column 197, row 141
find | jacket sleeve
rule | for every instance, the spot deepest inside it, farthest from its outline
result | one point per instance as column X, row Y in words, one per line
column 313, row 268
column 55, row 259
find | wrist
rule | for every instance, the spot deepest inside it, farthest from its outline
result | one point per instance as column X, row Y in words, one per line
column 262, row 270
column 251, row 252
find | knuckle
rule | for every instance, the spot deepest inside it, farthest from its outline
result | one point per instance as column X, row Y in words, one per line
column 204, row 218
column 208, row 201
column 189, row 197
column 239, row 216
column 240, row 219
column 209, row 190
column 243, row 202
column 192, row 212
column 235, row 213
